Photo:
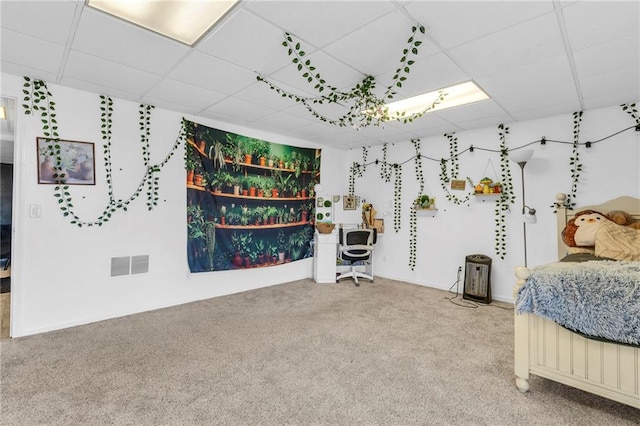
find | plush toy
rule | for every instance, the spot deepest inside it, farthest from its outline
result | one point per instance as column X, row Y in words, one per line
column 623, row 218
column 581, row 230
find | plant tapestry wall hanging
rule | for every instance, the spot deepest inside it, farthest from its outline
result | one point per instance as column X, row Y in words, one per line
column 250, row 203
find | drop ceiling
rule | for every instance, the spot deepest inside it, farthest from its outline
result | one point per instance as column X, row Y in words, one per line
column 534, row 59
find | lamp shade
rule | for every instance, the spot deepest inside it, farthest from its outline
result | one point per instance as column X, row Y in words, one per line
column 521, row 155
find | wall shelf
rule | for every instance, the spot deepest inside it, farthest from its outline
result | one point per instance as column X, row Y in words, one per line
column 257, row 227
column 488, row 197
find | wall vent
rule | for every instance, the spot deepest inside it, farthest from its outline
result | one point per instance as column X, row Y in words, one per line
column 139, row 264
column 120, row 266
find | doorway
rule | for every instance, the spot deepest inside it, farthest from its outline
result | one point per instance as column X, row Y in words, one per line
column 7, row 136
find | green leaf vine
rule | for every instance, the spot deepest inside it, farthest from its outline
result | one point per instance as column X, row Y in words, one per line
column 632, row 111
column 397, row 197
column 413, row 216
column 366, row 108
column 574, row 161
column 38, row 98
column 445, row 178
column 506, row 195
column 385, row 167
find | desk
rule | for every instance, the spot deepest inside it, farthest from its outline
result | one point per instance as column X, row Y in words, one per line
column 325, row 256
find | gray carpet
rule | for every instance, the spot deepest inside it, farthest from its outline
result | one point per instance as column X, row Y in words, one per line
column 300, row 353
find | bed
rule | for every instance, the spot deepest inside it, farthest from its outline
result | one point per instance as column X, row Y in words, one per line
column 603, row 366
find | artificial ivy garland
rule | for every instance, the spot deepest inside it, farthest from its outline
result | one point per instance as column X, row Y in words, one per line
column 506, row 195
column 445, row 179
column 385, row 167
column 413, row 215
column 38, row 98
column 574, row 160
column 397, row 197
column 632, row 111
column 366, row 108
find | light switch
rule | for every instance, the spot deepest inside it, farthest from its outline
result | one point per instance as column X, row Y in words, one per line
column 35, row 210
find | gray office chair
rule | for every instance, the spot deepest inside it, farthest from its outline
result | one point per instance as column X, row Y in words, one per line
column 356, row 247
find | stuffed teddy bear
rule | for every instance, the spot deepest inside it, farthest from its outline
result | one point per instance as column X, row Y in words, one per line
column 623, row 218
column 581, row 230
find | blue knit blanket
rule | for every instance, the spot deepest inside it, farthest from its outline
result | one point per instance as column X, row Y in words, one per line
column 595, row 298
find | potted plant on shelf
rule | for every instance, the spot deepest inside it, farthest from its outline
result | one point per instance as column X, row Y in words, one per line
column 261, row 151
column 198, row 175
column 259, row 250
column 190, row 161
column 216, row 155
column 241, row 243
column 272, row 213
column 282, row 245
column 424, row 202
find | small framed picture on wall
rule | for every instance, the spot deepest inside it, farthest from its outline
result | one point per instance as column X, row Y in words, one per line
column 63, row 161
column 349, row 202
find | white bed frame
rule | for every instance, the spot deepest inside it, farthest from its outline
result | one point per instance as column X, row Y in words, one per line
column 548, row 350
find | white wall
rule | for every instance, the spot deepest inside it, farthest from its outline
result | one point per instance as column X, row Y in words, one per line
column 61, row 273
column 611, row 169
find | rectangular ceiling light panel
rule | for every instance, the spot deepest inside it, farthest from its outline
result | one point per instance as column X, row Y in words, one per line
column 182, row 20
column 459, row 94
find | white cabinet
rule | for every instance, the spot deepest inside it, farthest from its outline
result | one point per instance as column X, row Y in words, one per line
column 324, row 257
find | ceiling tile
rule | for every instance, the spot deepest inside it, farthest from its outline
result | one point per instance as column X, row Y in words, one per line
column 247, row 41
column 92, row 69
column 176, row 91
column 230, row 107
column 39, row 19
column 605, row 58
column 452, row 23
column 620, row 86
column 208, row 72
column 593, row 22
column 45, row 56
column 334, row 72
column 427, row 74
column 311, row 18
column 126, row 44
column 533, row 41
column 377, row 47
column 99, row 88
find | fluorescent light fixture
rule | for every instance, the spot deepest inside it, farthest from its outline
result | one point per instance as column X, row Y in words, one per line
column 182, row 20
column 3, row 113
column 456, row 95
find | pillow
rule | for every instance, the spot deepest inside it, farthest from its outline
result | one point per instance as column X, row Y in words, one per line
column 580, row 231
column 617, row 242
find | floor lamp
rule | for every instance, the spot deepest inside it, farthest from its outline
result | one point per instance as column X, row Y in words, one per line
column 528, row 214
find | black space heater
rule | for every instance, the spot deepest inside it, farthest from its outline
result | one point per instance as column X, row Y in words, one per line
column 477, row 278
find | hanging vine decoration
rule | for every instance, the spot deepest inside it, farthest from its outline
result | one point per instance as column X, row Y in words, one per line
column 574, row 161
column 385, row 167
column 445, row 179
column 352, row 178
column 38, row 98
column 633, row 112
column 397, row 197
column 506, row 195
column 366, row 108
column 153, row 183
column 413, row 215
column 365, row 153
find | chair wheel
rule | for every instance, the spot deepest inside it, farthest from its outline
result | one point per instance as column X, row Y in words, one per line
column 371, row 281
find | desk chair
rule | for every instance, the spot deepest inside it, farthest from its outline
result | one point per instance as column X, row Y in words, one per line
column 356, row 245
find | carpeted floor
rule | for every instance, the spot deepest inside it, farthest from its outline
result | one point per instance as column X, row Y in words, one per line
column 300, row 353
